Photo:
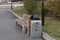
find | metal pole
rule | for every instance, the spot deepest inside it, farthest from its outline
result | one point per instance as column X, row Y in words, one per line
column 34, row 7
column 42, row 12
column 11, row 5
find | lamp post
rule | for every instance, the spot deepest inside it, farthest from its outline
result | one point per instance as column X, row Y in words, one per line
column 11, row 5
column 42, row 12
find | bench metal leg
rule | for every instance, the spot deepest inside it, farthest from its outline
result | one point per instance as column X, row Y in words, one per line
column 24, row 29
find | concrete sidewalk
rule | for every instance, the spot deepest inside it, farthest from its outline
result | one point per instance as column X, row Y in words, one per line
column 14, row 5
column 5, row 6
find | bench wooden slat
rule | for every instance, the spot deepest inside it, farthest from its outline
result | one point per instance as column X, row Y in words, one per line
column 21, row 22
column 25, row 20
column 25, row 16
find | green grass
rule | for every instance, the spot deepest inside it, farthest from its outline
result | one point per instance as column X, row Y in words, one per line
column 52, row 26
column 19, row 10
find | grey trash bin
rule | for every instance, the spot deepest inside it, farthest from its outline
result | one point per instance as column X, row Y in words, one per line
column 36, row 27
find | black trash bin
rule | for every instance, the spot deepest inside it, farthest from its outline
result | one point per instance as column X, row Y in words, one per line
column 34, row 17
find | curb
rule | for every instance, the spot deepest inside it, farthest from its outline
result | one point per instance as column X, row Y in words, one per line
column 47, row 37
column 44, row 35
column 15, row 14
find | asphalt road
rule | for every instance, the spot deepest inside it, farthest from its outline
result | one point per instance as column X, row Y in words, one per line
column 8, row 28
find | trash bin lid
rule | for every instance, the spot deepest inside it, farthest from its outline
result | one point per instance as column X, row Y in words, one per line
column 34, row 17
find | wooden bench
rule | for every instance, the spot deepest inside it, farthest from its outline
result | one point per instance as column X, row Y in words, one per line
column 20, row 22
column 25, row 22
column 27, row 19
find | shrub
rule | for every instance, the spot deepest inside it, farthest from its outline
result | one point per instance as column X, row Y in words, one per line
column 33, row 6
column 54, row 7
column 30, row 6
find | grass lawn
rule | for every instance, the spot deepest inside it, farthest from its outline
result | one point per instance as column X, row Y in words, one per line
column 19, row 10
column 52, row 26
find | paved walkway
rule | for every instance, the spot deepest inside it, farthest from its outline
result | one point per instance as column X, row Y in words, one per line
column 8, row 30
column 9, row 5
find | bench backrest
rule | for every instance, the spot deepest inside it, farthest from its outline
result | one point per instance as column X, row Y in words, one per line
column 27, row 19
column 25, row 16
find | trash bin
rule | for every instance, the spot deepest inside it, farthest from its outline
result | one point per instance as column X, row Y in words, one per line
column 36, row 27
